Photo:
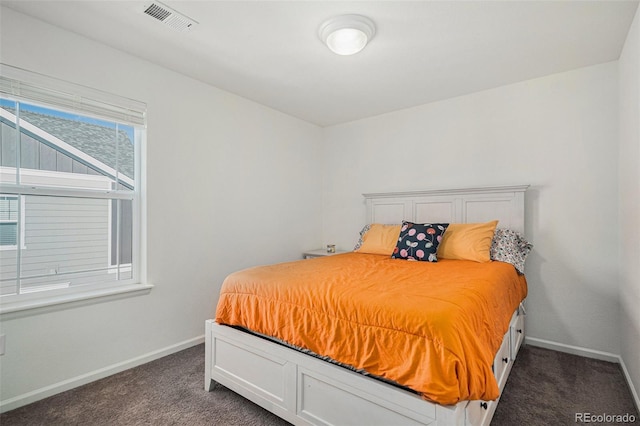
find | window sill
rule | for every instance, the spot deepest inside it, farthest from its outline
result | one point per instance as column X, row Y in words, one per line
column 53, row 303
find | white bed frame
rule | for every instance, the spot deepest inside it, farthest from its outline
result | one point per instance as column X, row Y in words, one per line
column 305, row 390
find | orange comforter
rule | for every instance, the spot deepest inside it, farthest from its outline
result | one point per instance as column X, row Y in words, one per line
column 432, row 327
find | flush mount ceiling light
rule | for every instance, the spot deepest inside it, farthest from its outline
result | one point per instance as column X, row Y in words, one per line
column 347, row 34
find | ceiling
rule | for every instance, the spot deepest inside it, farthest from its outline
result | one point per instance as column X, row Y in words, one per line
column 423, row 51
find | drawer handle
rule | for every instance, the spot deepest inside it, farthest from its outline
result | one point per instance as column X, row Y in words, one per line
column 519, row 330
column 505, row 360
column 483, row 405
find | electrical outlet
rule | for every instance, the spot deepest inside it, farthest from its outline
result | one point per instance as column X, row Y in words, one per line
column 3, row 342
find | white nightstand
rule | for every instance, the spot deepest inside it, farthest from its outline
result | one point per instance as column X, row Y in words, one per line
column 319, row 253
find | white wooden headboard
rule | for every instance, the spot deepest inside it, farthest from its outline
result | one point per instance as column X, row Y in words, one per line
column 464, row 205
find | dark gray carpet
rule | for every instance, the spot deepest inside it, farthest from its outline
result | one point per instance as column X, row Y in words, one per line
column 548, row 388
column 545, row 388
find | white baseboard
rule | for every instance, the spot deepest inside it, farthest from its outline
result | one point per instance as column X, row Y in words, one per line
column 574, row 350
column 627, row 376
column 588, row 353
column 92, row 376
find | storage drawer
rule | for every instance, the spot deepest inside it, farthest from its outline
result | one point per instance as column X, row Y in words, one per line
column 502, row 360
column 479, row 412
column 517, row 335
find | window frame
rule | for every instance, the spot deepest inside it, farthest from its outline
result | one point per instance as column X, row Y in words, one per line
column 27, row 87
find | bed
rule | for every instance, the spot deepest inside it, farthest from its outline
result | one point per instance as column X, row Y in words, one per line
column 269, row 349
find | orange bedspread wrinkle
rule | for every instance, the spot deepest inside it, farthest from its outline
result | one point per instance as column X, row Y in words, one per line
column 432, row 327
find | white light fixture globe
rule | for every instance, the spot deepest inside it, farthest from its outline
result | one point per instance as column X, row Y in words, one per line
column 347, row 34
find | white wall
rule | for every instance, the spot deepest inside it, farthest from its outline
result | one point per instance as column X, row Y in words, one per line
column 222, row 172
column 629, row 70
column 559, row 134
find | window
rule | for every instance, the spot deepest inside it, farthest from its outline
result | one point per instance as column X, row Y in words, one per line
column 8, row 222
column 70, row 203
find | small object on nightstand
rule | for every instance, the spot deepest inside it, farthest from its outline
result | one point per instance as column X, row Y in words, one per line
column 331, row 248
column 320, row 253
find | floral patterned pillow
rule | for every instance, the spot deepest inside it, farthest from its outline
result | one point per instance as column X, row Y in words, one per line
column 419, row 241
column 511, row 247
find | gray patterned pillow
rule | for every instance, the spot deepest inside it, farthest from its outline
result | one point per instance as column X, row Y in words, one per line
column 511, row 247
column 365, row 229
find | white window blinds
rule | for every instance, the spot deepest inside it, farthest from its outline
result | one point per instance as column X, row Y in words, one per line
column 21, row 84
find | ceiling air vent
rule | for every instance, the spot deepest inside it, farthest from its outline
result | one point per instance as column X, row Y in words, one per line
column 168, row 16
